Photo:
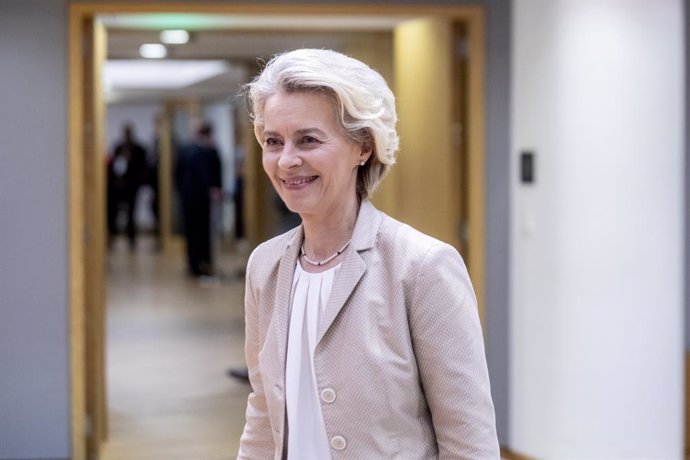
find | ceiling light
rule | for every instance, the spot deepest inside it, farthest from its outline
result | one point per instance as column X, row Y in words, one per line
column 192, row 22
column 153, row 51
column 160, row 74
column 174, row 37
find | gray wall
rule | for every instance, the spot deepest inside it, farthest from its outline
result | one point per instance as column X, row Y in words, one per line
column 687, row 178
column 498, row 207
column 34, row 314
column 34, row 317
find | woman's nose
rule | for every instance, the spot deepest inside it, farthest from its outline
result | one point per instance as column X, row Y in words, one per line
column 289, row 158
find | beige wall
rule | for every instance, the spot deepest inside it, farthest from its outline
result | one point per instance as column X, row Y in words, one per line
column 426, row 190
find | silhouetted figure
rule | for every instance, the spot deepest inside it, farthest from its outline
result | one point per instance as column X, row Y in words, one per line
column 152, row 180
column 238, row 195
column 198, row 179
column 126, row 173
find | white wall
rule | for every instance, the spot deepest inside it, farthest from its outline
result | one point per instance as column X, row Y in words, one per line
column 221, row 115
column 597, row 245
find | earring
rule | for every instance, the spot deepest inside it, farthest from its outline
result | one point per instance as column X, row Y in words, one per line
column 361, row 163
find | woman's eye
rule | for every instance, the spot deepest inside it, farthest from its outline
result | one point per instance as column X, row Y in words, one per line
column 271, row 142
column 309, row 140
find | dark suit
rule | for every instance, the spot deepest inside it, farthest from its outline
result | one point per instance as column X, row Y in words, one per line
column 126, row 173
column 197, row 171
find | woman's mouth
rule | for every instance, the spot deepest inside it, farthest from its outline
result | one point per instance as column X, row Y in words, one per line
column 297, row 181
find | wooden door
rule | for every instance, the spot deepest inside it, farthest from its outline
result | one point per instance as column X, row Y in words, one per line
column 87, row 235
column 438, row 71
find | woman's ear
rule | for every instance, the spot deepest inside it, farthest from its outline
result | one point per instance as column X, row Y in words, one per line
column 366, row 151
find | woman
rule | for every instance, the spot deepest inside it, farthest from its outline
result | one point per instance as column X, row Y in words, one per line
column 362, row 334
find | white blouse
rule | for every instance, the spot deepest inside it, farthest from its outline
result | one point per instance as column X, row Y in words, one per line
column 307, row 439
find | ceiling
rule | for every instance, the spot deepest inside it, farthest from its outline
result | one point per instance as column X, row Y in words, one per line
column 235, row 43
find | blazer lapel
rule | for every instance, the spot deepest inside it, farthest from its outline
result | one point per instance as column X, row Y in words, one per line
column 281, row 309
column 353, row 266
column 349, row 274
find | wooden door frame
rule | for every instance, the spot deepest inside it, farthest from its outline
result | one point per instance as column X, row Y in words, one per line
column 471, row 15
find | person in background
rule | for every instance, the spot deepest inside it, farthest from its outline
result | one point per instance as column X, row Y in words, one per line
column 125, row 174
column 152, row 179
column 363, row 337
column 198, row 177
column 238, row 189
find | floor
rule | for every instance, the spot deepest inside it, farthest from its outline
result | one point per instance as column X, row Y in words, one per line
column 170, row 341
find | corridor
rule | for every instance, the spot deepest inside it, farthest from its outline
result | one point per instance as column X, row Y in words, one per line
column 170, row 342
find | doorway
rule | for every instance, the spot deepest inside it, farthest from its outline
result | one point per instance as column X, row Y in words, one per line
column 396, row 197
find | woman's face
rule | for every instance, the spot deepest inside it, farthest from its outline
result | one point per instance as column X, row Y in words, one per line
column 307, row 155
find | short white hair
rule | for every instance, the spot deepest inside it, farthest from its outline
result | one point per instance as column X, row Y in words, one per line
column 364, row 103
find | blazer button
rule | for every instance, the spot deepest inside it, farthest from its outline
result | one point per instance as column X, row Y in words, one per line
column 328, row 395
column 338, row 443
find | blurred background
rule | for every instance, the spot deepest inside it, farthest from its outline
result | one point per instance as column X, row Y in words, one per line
column 546, row 139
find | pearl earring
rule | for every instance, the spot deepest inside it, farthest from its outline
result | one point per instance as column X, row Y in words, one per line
column 361, row 163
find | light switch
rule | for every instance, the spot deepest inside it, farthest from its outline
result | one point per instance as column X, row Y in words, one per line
column 527, row 167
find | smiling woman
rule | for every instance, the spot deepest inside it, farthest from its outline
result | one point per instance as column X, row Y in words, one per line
column 355, row 294
column 308, row 156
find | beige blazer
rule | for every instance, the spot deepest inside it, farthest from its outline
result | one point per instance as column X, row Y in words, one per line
column 399, row 362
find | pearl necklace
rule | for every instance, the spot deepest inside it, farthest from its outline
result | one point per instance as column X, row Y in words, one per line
column 325, row 261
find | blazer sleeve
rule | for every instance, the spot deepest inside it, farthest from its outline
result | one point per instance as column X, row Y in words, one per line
column 257, row 439
column 449, row 348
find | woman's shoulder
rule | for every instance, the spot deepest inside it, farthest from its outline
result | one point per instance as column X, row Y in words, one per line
column 268, row 254
column 400, row 237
